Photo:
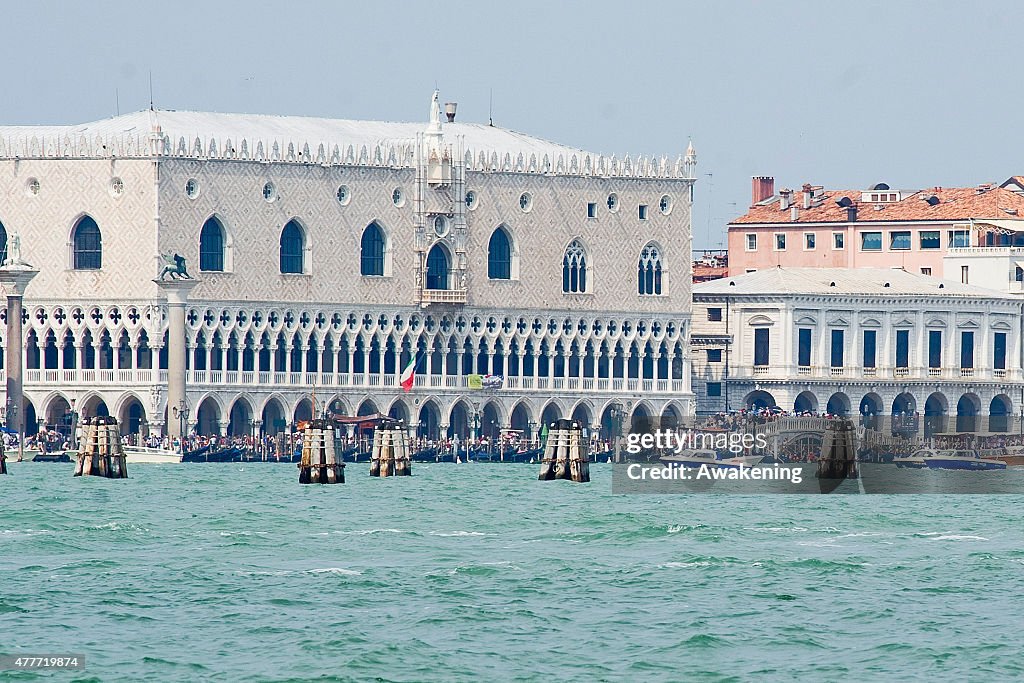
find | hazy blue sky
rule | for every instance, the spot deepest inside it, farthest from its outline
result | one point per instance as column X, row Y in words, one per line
column 842, row 94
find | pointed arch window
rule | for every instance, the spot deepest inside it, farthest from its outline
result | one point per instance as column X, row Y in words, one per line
column 371, row 251
column 293, row 245
column 574, row 268
column 648, row 271
column 499, row 256
column 88, row 245
column 211, row 246
column 3, row 243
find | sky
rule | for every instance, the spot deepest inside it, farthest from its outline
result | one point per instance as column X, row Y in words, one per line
column 841, row 94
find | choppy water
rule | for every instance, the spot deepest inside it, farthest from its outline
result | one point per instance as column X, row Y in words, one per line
column 480, row 572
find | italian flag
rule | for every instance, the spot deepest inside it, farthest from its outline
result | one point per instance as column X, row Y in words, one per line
column 409, row 375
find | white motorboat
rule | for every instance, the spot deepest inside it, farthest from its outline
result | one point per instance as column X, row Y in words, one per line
column 699, row 457
column 140, row 455
column 961, row 459
column 915, row 460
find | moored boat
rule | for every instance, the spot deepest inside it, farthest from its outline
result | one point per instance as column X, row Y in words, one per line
column 961, row 459
column 913, row 461
column 699, row 457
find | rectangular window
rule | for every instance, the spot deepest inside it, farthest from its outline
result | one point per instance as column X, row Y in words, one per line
column 751, row 241
column 999, row 351
column 804, row 347
column 808, row 240
column 714, row 388
column 964, row 275
column 591, row 209
column 643, row 212
column 930, row 239
column 935, row 348
column 714, row 355
column 780, row 241
column 715, row 314
column 900, row 240
column 926, row 271
column 761, row 346
column 869, row 348
column 838, row 240
column 966, row 349
column 837, row 348
column 959, row 238
column 871, row 241
column 903, row 348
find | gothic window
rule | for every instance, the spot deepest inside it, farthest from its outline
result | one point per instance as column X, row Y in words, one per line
column 292, row 247
column 88, row 245
column 211, row 246
column 574, row 268
column 437, row 268
column 499, row 256
column 648, row 273
column 3, row 243
column 371, row 251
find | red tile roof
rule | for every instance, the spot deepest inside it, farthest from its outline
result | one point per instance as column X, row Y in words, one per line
column 955, row 204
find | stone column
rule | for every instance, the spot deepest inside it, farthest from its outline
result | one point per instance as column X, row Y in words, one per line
column 177, row 292
column 14, row 278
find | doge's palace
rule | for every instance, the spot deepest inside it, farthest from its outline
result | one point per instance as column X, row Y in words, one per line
column 329, row 253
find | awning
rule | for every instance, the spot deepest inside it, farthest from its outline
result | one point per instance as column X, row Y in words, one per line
column 1004, row 226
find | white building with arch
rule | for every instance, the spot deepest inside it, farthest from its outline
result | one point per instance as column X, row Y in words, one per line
column 870, row 341
column 329, row 252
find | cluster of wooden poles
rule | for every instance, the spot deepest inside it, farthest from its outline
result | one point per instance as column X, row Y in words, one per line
column 565, row 456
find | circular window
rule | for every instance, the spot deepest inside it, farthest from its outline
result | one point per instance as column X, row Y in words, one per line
column 471, row 200
column 32, row 187
column 665, row 204
column 192, row 188
column 613, row 202
column 343, row 195
column 440, row 225
column 116, row 187
column 269, row 192
column 397, row 197
column 525, row 201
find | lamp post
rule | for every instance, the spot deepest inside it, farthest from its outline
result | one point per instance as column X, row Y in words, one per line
column 533, row 430
column 73, row 433
column 180, row 413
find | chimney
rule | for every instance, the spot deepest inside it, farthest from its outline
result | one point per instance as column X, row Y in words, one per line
column 785, row 198
column 794, row 213
column 807, row 195
column 761, row 188
column 851, row 214
column 449, row 110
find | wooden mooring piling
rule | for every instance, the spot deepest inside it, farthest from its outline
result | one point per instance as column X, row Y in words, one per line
column 319, row 463
column 99, row 452
column 838, row 459
column 390, row 454
column 565, row 453
column 3, row 461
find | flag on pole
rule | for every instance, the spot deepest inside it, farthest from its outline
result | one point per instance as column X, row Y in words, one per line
column 409, row 375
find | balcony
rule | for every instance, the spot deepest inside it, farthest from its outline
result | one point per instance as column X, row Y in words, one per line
column 901, row 372
column 305, row 381
column 967, row 372
column 837, row 372
column 441, row 296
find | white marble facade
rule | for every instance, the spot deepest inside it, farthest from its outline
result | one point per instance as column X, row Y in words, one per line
column 262, row 343
column 959, row 366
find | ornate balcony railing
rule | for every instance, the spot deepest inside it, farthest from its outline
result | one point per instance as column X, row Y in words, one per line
column 309, row 380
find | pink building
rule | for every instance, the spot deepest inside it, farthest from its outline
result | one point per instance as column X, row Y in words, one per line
column 876, row 228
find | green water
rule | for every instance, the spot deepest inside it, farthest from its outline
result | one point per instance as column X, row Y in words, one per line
column 480, row 572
